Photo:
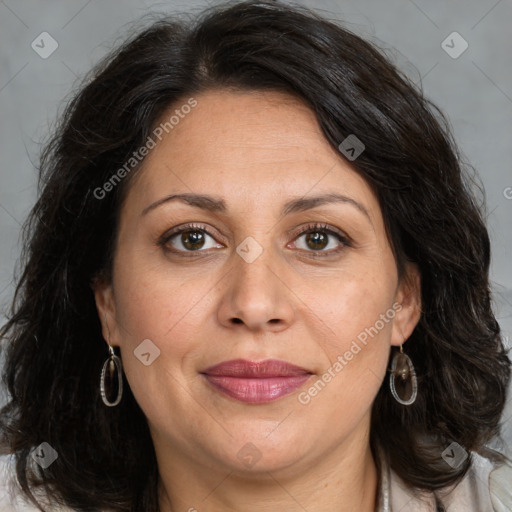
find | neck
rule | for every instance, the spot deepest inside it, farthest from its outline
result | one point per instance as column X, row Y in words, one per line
column 341, row 481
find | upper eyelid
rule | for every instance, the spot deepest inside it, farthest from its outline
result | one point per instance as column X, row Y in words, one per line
column 189, row 227
column 321, row 226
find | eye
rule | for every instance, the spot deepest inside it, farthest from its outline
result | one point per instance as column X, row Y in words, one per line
column 319, row 237
column 189, row 238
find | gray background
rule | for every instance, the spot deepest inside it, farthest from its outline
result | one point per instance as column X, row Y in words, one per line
column 474, row 90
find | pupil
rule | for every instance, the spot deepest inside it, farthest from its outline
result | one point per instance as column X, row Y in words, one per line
column 192, row 239
column 318, row 240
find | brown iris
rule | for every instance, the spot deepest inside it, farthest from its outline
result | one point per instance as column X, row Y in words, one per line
column 192, row 239
column 316, row 240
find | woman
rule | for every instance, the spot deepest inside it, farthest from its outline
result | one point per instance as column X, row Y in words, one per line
column 255, row 279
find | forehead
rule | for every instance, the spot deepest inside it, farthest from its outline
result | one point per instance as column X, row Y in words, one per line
column 246, row 146
column 256, row 128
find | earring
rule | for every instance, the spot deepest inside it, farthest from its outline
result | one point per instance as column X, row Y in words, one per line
column 402, row 381
column 113, row 362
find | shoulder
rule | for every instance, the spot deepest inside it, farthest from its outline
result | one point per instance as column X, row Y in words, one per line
column 487, row 486
column 11, row 497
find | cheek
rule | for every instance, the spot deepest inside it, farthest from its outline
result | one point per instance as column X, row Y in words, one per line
column 168, row 312
column 351, row 321
column 351, row 301
column 156, row 301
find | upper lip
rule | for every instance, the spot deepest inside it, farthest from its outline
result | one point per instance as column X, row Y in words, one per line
column 243, row 368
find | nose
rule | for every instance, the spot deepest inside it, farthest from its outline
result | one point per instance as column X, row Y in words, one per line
column 257, row 296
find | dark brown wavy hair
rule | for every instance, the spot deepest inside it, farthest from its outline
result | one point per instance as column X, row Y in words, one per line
column 52, row 339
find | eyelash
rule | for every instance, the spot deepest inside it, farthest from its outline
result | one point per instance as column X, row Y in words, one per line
column 309, row 228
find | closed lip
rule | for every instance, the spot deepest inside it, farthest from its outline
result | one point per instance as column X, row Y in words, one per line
column 256, row 382
column 243, row 368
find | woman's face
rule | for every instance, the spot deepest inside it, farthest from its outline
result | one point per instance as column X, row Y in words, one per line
column 245, row 283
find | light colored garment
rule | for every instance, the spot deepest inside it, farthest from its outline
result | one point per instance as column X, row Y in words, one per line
column 11, row 498
column 487, row 487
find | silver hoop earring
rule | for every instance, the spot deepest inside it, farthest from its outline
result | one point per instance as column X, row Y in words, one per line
column 113, row 362
column 402, row 381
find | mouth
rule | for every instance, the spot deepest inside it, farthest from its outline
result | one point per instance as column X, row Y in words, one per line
column 256, row 382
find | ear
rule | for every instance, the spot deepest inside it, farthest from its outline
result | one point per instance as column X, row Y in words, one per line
column 105, row 305
column 408, row 300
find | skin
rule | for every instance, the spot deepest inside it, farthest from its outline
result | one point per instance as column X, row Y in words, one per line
column 256, row 151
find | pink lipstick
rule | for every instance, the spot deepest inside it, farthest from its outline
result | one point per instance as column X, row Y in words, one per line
column 256, row 382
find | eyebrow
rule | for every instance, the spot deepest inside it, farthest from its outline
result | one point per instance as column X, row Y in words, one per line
column 215, row 204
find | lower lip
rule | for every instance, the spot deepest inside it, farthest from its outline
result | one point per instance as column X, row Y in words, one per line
column 257, row 391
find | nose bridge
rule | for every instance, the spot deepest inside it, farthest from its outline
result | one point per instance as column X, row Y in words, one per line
column 252, row 268
column 255, row 295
